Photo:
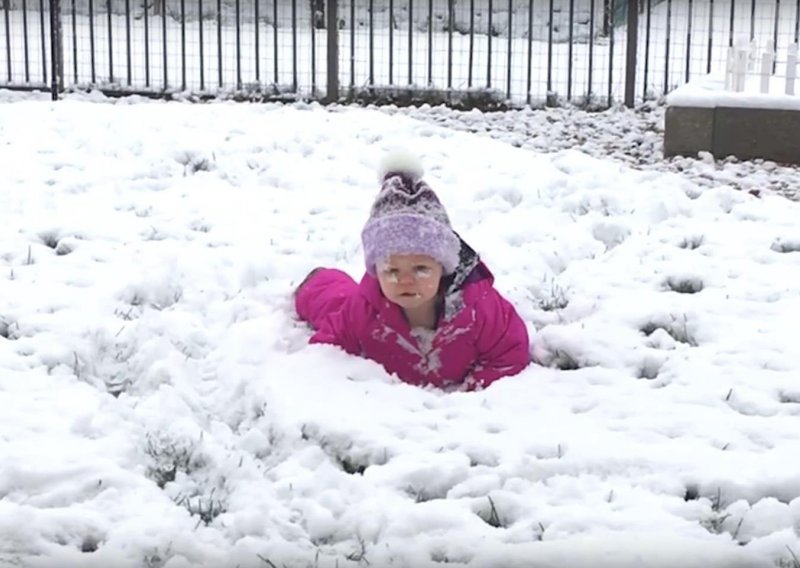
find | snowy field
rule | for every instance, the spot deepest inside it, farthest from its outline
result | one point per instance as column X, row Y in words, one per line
column 161, row 408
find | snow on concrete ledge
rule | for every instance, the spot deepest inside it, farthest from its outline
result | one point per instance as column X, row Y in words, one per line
column 709, row 92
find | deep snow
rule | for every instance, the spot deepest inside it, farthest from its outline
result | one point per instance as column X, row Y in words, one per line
column 161, row 406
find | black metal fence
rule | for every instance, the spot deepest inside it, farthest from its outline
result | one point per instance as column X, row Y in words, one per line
column 464, row 52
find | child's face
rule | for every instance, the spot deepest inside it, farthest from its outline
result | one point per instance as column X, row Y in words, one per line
column 409, row 280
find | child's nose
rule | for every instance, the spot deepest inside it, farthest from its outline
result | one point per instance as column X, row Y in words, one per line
column 407, row 278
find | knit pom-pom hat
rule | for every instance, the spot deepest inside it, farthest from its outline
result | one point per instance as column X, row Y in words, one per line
column 407, row 217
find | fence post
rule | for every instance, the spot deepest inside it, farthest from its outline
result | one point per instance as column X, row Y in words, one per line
column 56, row 51
column 791, row 69
column 632, row 49
column 332, row 14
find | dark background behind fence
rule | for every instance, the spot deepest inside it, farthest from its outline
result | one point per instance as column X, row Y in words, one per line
column 463, row 52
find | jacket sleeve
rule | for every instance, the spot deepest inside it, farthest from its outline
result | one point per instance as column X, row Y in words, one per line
column 325, row 302
column 502, row 342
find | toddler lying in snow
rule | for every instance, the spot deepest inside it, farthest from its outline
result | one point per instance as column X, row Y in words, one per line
column 426, row 309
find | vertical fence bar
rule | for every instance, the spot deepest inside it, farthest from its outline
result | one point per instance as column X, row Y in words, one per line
column 450, row 20
column 294, row 46
column 201, row 45
column 710, row 35
column 797, row 22
column 689, row 41
column 510, row 47
column 58, row 54
column 529, row 70
column 145, row 20
column 8, row 37
column 183, row 45
column 410, row 42
column 332, row 12
column 732, row 21
column 489, row 34
column 56, row 47
column 219, row 42
column 25, row 40
column 776, row 24
column 570, row 48
column 632, row 47
column 238, row 36
column 550, row 53
column 164, row 58
column 752, row 20
column 128, row 57
column 275, row 41
column 391, row 42
column 74, row 42
column 430, row 43
column 110, row 22
column 92, row 62
column 611, row 38
column 648, row 23
column 26, row 54
column 371, row 43
column 353, row 45
column 472, row 42
column 43, row 36
column 257, row 46
column 313, row 31
column 667, row 44
column 589, row 82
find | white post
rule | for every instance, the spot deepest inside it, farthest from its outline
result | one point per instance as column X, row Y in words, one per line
column 766, row 67
column 740, row 69
column 752, row 55
column 791, row 69
column 730, row 66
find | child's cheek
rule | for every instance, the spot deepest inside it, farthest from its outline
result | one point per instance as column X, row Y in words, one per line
column 429, row 285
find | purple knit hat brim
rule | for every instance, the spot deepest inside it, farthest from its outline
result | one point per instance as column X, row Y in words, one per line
column 409, row 234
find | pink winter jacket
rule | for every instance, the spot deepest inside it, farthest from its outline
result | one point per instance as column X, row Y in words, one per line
column 480, row 337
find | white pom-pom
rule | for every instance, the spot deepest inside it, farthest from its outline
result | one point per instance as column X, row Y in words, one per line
column 401, row 162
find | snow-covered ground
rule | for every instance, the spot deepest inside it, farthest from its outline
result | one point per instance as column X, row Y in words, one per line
column 631, row 137
column 161, row 408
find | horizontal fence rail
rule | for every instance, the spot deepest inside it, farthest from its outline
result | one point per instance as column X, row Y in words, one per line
column 481, row 53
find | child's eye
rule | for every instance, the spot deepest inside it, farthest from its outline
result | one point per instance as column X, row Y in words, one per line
column 391, row 274
column 423, row 271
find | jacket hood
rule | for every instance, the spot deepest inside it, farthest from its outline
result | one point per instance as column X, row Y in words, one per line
column 469, row 269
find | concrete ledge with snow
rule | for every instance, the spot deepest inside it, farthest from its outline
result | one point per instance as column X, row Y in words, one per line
column 703, row 116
